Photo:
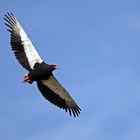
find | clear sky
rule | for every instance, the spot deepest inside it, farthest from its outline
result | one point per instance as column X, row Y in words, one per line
column 96, row 44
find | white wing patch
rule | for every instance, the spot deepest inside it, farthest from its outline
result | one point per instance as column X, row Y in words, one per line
column 31, row 53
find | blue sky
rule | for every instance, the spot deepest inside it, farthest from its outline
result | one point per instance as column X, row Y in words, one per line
column 96, row 44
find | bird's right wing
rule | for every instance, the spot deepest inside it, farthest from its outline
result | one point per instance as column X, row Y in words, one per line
column 54, row 92
column 22, row 46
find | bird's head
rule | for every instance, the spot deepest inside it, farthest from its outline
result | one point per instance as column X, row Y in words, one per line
column 54, row 67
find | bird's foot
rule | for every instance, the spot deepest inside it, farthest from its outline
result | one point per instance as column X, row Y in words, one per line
column 27, row 80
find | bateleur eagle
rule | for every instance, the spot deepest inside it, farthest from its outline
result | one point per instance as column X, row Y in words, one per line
column 39, row 71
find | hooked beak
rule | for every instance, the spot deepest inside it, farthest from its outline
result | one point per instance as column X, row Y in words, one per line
column 55, row 67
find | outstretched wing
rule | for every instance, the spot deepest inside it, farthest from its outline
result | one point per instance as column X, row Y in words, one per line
column 21, row 44
column 54, row 92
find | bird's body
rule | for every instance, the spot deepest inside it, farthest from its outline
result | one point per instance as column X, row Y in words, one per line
column 39, row 71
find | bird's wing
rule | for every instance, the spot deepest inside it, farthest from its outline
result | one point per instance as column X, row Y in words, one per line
column 54, row 92
column 22, row 46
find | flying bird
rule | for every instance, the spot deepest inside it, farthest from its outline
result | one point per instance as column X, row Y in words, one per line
column 38, row 70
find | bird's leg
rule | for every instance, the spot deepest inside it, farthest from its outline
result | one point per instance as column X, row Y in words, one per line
column 27, row 80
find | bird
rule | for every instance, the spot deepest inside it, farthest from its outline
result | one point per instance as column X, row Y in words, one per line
column 38, row 71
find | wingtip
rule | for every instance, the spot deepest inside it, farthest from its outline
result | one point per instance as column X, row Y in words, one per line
column 75, row 112
column 9, row 15
column 12, row 14
column 70, row 111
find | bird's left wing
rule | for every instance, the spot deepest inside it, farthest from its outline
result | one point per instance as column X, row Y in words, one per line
column 22, row 46
column 54, row 92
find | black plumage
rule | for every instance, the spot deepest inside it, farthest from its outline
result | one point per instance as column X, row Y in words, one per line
column 39, row 71
column 16, row 42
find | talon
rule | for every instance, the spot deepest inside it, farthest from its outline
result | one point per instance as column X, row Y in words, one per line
column 27, row 80
column 25, row 76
